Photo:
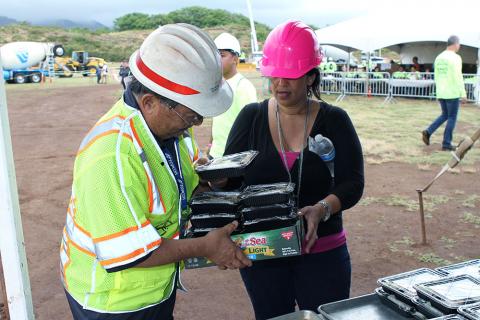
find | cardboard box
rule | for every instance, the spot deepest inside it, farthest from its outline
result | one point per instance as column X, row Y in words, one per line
column 272, row 244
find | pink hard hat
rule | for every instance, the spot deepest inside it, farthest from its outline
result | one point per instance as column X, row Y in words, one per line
column 290, row 51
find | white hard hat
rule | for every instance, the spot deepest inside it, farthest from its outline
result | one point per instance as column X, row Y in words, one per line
column 181, row 63
column 225, row 41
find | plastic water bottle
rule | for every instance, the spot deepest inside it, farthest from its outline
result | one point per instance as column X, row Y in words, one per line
column 324, row 148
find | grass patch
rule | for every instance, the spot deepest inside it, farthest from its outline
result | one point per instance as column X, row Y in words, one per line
column 433, row 258
column 431, row 202
column 470, row 201
column 471, row 218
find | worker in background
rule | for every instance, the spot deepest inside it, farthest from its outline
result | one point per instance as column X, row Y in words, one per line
column 133, row 177
column 124, row 72
column 243, row 92
column 98, row 73
column 449, row 89
column 104, row 74
column 331, row 66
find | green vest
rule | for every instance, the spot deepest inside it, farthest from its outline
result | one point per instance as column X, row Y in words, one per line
column 124, row 201
column 448, row 76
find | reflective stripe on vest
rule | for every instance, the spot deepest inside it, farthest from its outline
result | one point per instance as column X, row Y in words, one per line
column 191, row 145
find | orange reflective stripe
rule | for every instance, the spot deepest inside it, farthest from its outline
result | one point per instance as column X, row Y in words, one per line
column 175, row 235
column 150, row 193
column 130, row 255
column 132, row 125
column 102, row 135
column 120, row 233
column 80, row 248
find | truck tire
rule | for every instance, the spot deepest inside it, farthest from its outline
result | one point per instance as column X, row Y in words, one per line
column 20, row 78
column 36, row 77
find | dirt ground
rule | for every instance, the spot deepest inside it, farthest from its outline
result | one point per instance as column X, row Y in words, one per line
column 48, row 125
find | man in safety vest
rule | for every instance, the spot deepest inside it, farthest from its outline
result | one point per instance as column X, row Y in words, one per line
column 243, row 92
column 449, row 89
column 134, row 174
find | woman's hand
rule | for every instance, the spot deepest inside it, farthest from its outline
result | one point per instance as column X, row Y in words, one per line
column 312, row 215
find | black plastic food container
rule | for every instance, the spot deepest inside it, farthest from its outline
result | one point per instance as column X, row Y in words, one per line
column 450, row 293
column 229, row 166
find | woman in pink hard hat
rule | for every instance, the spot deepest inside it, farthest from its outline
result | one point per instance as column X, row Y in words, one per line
column 304, row 140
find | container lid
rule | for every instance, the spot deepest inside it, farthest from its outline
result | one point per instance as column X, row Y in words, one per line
column 450, row 317
column 402, row 284
column 451, row 292
column 214, row 216
column 471, row 267
column 232, row 161
column 471, row 312
column 211, row 197
column 267, row 189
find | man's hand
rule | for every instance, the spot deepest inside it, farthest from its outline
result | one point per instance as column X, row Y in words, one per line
column 463, row 100
column 223, row 251
column 312, row 215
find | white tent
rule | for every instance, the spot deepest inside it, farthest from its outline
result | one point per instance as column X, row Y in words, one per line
column 406, row 33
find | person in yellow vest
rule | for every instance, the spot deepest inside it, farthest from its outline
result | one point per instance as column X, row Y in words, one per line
column 121, row 250
column 243, row 92
column 449, row 89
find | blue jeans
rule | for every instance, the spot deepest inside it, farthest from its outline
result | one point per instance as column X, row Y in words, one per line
column 276, row 285
column 449, row 114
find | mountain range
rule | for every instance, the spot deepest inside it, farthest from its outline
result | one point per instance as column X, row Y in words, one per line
column 62, row 23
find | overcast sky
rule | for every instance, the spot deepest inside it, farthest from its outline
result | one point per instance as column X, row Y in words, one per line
column 271, row 12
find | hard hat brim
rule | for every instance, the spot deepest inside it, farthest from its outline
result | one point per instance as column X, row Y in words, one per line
column 206, row 104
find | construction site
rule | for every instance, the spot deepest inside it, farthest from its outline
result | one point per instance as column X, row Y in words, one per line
column 419, row 211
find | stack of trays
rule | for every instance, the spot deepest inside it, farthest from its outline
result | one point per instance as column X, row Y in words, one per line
column 402, row 287
column 471, row 267
column 448, row 294
column 257, row 208
column 268, row 207
column 211, row 210
column 230, row 166
column 471, row 312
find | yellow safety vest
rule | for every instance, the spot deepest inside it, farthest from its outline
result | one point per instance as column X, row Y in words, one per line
column 124, row 201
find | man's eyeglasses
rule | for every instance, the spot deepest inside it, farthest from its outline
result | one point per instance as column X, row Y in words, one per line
column 195, row 120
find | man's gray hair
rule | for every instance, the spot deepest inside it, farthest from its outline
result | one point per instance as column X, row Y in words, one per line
column 453, row 40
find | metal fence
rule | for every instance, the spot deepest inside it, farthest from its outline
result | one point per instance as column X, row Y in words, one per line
column 403, row 84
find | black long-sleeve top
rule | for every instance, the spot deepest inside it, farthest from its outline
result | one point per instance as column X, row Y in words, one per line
column 250, row 131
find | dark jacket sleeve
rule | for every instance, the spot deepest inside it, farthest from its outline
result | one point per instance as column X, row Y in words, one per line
column 349, row 174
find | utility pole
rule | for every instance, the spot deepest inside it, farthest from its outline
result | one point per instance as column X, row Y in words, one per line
column 12, row 245
column 253, row 38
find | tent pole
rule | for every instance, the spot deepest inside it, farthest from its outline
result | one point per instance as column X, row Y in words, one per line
column 348, row 62
column 477, row 86
column 12, row 244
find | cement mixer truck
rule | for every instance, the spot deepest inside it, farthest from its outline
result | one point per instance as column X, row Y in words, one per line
column 29, row 61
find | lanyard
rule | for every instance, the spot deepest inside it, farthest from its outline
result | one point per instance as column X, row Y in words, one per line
column 177, row 173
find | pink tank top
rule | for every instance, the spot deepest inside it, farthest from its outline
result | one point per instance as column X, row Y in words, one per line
column 291, row 157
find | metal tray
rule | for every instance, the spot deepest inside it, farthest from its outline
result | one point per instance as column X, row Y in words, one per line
column 368, row 307
column 401, row 285
column 229, row 166
column 471, row 312
column 450, row 293
column 471, row 267
column 300, row 315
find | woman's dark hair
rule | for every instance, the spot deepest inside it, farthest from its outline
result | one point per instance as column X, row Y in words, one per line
column 138, row 89
column 315, row 87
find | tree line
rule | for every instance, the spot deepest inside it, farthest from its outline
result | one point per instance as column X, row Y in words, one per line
column 196, row 15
